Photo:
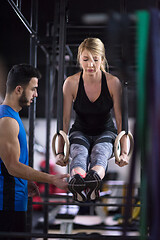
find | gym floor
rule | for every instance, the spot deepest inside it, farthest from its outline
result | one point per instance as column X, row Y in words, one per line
column 86, row 224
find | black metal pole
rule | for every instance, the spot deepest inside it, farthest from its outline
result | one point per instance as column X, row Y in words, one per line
column 62, row 41
column 73, row 236
column 19, row 4
column 125, row 107
column 22, row 18
column 32, row 108
column 33, row 62
column 47, row 108
column 54, row 49
column 50, row 79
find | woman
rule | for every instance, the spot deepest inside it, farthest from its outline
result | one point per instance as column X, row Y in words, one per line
column 93, row 92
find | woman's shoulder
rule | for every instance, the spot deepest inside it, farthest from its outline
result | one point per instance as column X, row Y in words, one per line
column 111, row 78
column 113, row 83
column 71, row 82
column 73, row 78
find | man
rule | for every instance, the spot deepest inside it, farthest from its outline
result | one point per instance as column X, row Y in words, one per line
column 15, row 174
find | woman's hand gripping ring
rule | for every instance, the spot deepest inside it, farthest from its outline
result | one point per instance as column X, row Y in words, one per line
column 66, row 141
column 117, row 145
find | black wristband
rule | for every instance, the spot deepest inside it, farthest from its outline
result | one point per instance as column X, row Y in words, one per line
column 60, row 153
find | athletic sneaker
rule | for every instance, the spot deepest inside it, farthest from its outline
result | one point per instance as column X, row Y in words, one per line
column 93, row 185
column 77, row 186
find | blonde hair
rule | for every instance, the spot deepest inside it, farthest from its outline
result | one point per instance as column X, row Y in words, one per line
column 94, row 45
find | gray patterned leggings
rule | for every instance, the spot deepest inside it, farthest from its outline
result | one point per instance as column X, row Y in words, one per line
column 89, row 151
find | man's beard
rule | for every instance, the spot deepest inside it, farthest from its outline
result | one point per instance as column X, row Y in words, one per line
column 23, row 101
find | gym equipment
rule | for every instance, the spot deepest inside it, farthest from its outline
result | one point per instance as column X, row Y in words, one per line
column 65, row 138
column 118, row 33
column 62, row 39
column 117, row 145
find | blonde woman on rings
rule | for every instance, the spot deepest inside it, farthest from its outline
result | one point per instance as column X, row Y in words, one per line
column 93, row 92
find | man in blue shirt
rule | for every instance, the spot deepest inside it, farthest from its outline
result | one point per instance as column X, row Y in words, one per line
column 15, row 174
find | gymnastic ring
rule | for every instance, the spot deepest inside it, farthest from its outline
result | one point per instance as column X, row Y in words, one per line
column 65, row 138
column 116, row 145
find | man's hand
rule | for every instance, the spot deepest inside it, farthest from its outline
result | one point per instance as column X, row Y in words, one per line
column 60, row 182
column 60, row 160
column 123, row 160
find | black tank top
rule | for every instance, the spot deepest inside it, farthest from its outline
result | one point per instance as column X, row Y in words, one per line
column 93, row 118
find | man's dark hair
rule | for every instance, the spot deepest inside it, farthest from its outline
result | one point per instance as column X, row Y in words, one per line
column 21, row 74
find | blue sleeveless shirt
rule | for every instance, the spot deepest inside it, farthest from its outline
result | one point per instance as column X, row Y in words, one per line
column 13, row 190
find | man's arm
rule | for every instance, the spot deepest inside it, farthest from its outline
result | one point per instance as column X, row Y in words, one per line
column 10, row 153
